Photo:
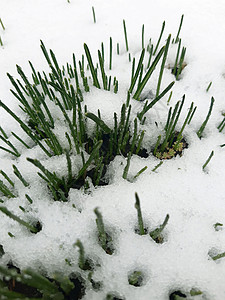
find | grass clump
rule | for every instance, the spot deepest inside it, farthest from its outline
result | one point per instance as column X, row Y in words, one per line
column 62, row 87
column 156, row 234
column 28, row 284
column 104, row 237
column 31, row 228
column 136, row 278
column 173, row 142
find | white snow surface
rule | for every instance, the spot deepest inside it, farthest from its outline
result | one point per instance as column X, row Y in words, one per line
column 194, row 199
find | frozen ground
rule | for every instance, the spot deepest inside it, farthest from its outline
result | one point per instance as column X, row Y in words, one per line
column 193, row 198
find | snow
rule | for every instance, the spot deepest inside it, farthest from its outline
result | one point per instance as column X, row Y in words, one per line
column 193, row 198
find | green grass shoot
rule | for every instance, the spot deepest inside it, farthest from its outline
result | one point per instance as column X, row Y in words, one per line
column 7, row 178
column 110, row 53
column 82, row 260
column 140, row 172
column 90, row 62
column 157, row 166
column 179, row 29
column 93, row 12
column 218, row 256
column 143, row 36
column 148, row 74
column 208, row 160
column 209, row 86
column 101, row 229
column 4, row 210
column 3, row 27
column 125, row 35
column 19, row 175
column 156, row 234
column 163, row 65
column 6, row 191
column 159, row 39
column 139, row 215
column 201, row 129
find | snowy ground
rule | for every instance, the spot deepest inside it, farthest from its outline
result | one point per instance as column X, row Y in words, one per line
column 193, row 198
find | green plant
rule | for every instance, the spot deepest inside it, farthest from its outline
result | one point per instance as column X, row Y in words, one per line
column 64, row 88
column 105, row 239
column 156, row 234
column 202, row 127
column 3, row 27
column 93, row 11
column 136, row 278
column 32, row 285
column 141, row 229
column 173, row 142
column 208, row 160
column 31, row 228
column 179, row 295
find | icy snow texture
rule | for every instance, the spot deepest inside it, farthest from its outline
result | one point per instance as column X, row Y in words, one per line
column 194, row 199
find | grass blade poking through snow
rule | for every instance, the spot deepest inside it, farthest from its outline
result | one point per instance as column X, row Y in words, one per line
column 19, row 175
column 221, row 125
column 201, row 129
column 99, row 122
column 143, row 36
column 208, row 160
column 147, row 107
column 93, row 12
column 101, row 229
column 160, row 36
column 181, row 22
column 17, row 219
column 92, row 69
column 163, row 64
column 3, row 27
column 83, row 262
column 148, row 74
column 141, row 229
column 125, row 35
column 5, row 190
column 218, row 256
column 110, row 54
column 156, row 234
column 135, row 77
column 35, row 280
column 140, row 172
column 209, row 86
column 7, row 178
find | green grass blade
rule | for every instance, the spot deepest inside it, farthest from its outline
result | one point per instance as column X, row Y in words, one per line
column 19, row 175
column 99, row 122
column 101, row 229
column 208, row 160
column 93, row 73
column 93, row 12
column 90, row 159
column 148, row 74
column 201, row 129
column 147, row 107
column 139, row 214
column 110, row 54
column 17, row 219
column 163, row 64
column 160, row 36
column 181, row 22
column 135, row 77
column 156, row 233
column 125, row 35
